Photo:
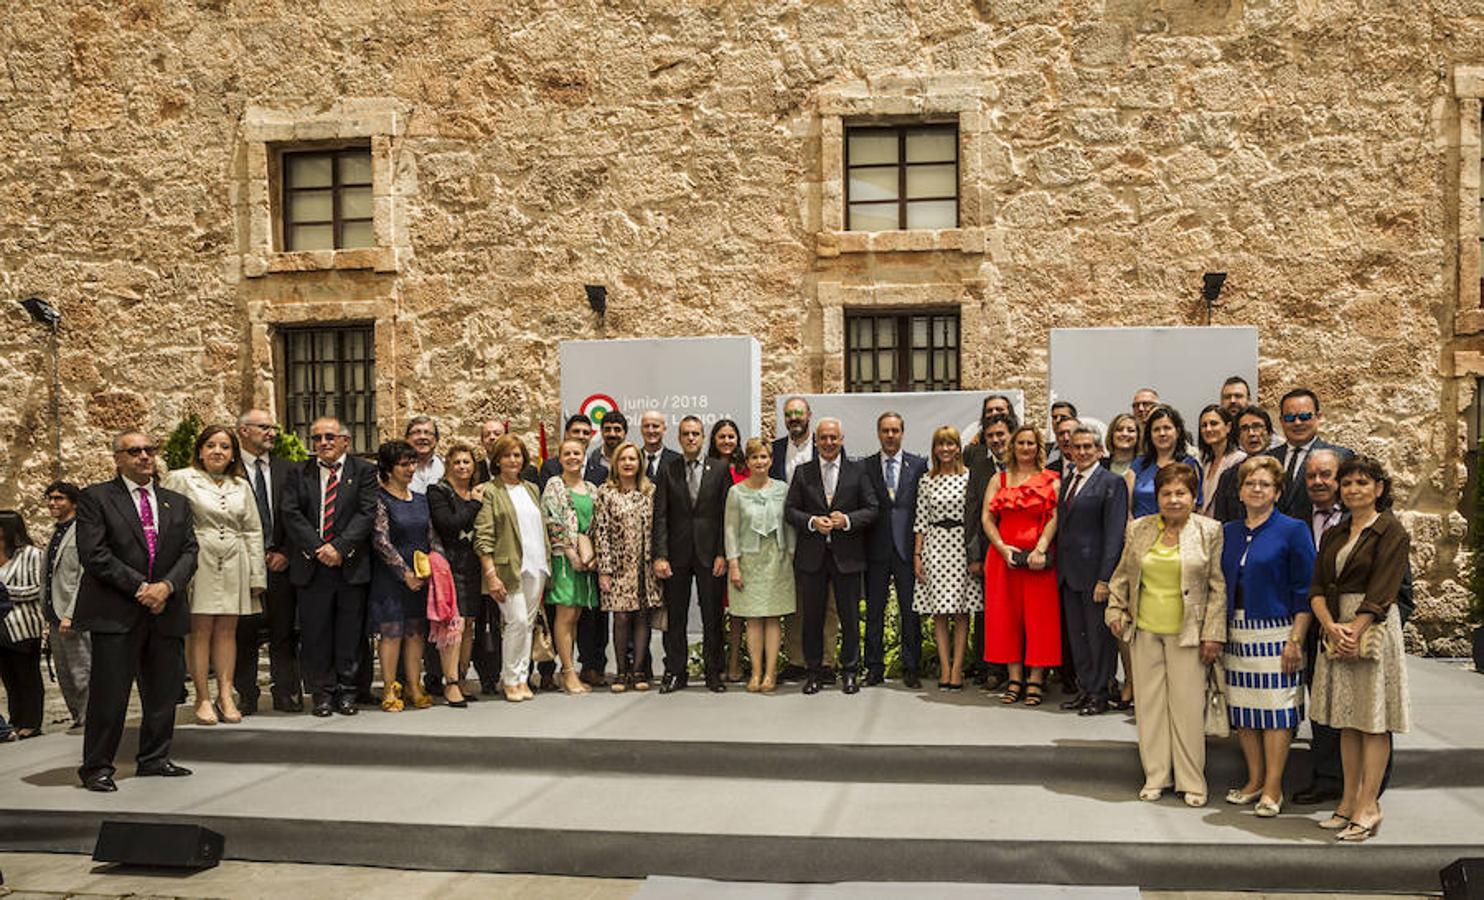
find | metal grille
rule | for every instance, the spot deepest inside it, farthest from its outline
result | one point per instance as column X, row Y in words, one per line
column 901, row 351
column 330, row 370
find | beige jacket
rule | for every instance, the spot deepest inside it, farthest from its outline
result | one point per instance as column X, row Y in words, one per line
column 1201, row 581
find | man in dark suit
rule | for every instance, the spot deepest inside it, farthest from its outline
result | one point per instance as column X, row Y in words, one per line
column 983, row 460
column 797, row 445
column 893, row 475
column 1254, row 434
column 328, row 512
column 689, row 507
column 137, row 544
column 1299, row 414
column 653, row 454
column 832, row 508
column 256, row 433
column 1090, row 520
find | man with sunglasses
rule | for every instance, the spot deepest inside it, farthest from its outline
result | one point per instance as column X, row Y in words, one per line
column 257, row 433
column 328, row 510
column 137, row 543
column 1299, row 415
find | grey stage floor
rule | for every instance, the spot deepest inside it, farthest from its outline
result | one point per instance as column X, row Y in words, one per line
column 889, row 785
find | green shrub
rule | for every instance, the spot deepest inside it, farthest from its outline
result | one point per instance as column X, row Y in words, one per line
column 181, row 442
column 288, row 446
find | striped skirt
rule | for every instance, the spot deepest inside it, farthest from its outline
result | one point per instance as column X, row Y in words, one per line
column 1258, row 692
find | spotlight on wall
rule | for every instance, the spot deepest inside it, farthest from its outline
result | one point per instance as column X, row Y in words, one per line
column 42, row 313
column 597, row 297
column 1211, row 290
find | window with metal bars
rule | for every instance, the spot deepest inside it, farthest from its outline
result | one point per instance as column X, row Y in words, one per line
column 901, row 177
column 910, row 350
column 330, row 370
column 327, row 199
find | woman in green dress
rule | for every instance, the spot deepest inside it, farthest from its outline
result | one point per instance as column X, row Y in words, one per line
column 760, row 550
column 567, row 503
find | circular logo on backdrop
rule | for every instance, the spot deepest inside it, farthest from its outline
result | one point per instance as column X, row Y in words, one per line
column 597, row 406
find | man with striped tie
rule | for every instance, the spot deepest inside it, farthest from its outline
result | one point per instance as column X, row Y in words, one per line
column 328, row 511
column 137, row 544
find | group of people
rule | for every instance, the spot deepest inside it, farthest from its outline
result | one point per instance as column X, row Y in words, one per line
column 1218, row 574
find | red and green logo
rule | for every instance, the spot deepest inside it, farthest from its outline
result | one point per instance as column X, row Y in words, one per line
column 597, row 407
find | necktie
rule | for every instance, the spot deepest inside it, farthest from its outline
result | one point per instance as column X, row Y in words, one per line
column 1076, row 483
column 693, row 479
column 830, row 477
column 147, row 522
column 651, row 466
column 332, row 488
column 891, row 477
column 260, row 488
column 1293, row 455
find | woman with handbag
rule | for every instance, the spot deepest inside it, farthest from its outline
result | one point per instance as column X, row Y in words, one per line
column 1022, row 610
column 567, row 503
column 515, row 556
column 1360, row 677
column 21, row 573
column 1267, row 560
column 397, row 603
column 1167, row 598
column 623, row 520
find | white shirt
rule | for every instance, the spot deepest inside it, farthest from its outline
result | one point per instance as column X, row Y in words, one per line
column 795, row 454
column 250, row 462
column 427, row 473
column 1085, row 473
column 532, row 530
column 154, row 502
column 1295, row 457
column 829, row 472
column 652, row 462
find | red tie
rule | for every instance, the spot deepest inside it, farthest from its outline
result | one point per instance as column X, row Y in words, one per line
column 332, row 487
column 147, row 522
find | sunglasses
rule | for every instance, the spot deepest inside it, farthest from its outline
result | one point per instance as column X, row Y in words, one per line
column 323, row 438
column 139, row 451
column 796, row 415
column 1290, row 418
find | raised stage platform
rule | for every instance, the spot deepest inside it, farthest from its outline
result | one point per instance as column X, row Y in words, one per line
column 888, row 785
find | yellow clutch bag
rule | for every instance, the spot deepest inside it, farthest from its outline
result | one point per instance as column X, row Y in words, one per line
column 420, row 565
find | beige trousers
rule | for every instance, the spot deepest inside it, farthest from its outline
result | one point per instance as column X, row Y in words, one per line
column 1169, row 708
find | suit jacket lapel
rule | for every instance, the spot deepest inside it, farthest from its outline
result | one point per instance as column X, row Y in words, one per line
column 124, row 504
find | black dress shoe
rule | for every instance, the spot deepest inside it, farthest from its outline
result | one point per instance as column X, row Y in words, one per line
column 323, row 708
column 1077, row 702
column 811, row 684
column 874, row 678
column 827, row 676
column 911, row 680
column 716, row 686
column 248, row 707
column 793, row 673
column 1094, row 708
column 345, row 705
column 1313, row 795
column 670, row 683
column 103, row 784
column 163, row 769
column 850, row 683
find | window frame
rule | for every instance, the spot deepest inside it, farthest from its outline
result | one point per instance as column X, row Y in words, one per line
column 903, row 317
column 364, row 433
column 337, row 221
column 902, row 165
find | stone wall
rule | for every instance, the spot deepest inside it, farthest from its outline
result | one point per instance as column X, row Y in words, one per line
column 686, row 154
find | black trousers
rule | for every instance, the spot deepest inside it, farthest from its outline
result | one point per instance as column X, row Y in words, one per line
column 709, row 591
column 879, row 576
column 1094, row 649
column 25, row 693
column 332, row 616
column 486, row 655
column 279, row 625
column 814, row 588
column 592, row 640
column 157, row 662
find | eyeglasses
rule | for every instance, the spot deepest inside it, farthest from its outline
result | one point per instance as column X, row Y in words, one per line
column 796, row 414
column 55, row 498
column 1259, row 485
column 1144, row 404
column 1290, row 418
column 271, row 429
column 323, row 438
column 1252, row 427
column 139, row 451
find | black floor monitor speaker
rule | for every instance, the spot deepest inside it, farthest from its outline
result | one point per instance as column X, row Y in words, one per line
column 166, row 844
column 1464, row 880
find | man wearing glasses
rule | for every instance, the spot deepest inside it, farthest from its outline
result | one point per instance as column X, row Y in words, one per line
column 137, row 543
column 328, row 510
column 257, row 433
column 1254, row 436
column 1299, row 413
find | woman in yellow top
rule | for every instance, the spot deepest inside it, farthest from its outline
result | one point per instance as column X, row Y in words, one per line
column 1168, row 599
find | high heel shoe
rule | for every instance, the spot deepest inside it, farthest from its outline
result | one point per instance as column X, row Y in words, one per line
column 1335, row 822
column 233, row 719
column 210, row 717
column 461, row 703
column 1357, row 833
column 754, row 685
column 620, row 683
column 421, row 699
column 391, row 697
column 769, row 685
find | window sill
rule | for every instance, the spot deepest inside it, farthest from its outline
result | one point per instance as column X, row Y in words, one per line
column 962, row 240
column 379, row 259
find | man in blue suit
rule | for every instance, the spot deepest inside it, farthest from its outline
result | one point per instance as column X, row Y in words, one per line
column 893, row 474
column 1091, row 514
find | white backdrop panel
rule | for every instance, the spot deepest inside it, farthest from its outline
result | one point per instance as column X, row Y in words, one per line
column 921, row 413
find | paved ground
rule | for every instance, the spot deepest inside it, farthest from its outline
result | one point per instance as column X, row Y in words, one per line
column 64, row 875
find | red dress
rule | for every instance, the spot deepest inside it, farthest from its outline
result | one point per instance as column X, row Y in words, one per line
column 1022, row 610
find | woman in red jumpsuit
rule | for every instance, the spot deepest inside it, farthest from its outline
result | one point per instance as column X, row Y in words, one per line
column 1022, row 611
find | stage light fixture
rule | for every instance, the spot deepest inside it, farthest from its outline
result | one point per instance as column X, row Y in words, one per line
column 1212, row 286
column 42, row 312
column 597, row 297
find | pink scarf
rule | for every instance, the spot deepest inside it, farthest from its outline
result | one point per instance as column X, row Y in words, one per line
column 445, row 625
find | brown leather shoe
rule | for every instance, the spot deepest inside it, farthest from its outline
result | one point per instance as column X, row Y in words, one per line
column 594, row 678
